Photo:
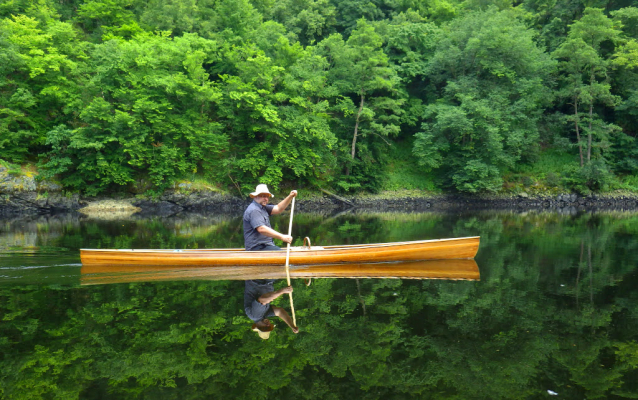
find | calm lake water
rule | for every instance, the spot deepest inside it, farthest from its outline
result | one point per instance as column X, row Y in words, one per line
column 554, row 314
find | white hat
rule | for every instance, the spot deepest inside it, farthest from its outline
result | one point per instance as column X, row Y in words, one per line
column 261, row 188
column 265, row 334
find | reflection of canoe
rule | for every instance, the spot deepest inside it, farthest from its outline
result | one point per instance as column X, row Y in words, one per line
column 465, row 269
column 440, row 249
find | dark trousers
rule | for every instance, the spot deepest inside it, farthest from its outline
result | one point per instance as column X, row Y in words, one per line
column 265, row 247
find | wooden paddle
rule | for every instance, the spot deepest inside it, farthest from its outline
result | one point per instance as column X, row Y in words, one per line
column 292, row 211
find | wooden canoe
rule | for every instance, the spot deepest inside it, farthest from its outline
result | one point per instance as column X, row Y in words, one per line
column 438, row 249
column 455, row 269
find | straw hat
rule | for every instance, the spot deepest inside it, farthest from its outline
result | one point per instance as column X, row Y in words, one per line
column 263, row 334
column 261, row 188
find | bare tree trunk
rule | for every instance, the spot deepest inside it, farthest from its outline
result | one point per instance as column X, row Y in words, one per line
column 580, row 146
column 356, row 131
column 591, row 114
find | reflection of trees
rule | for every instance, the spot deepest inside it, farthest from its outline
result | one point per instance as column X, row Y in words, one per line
column 542, row 317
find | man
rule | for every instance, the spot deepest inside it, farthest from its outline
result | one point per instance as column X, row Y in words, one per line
column 258, row 234
column 258, row 295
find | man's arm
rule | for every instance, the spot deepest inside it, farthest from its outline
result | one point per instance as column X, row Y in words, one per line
column 281, row 313
column 266, row 231
column 270, row 296
column 279, row 208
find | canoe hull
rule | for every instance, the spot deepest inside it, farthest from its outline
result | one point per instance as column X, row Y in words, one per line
column 439, row 249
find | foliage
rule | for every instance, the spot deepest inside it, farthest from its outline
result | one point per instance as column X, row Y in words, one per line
column 367, row 102
column 582, row 67
column 314, row 92
column 493, row 85
column 148, row 112
column 276, row 116
column 38, row 65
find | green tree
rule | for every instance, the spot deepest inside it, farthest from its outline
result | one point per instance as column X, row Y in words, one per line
column 435, row 11
column 584, row 72
column 492, row 85
column 309, row 20
column 624, row 82
column 146, row 113
column 410, row 42
column 350, row 12
column 277, row 119
column 361, row 71
column 108, row 19
column 39, row 65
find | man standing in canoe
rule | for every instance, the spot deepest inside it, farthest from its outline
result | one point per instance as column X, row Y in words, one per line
column 258, row 235
column 258, row 295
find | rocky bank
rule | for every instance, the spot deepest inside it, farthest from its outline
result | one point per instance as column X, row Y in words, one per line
column 25, row 195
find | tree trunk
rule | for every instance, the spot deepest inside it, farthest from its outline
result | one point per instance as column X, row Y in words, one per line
column 580, row 146
column 591, row 114
column 356, row 132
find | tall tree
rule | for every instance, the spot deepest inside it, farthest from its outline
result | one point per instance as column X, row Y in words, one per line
column 38, row 63
column 624, row 148
column 493, row 84
column 584, row 70
column 410, row 42
column 147, row 113
column 361, row 72
column 277, row 120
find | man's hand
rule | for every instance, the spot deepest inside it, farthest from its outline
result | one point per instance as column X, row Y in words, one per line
column 286, row 238
column 268, row 297
column 281, row 206
column 295, row 329
column 287, row 289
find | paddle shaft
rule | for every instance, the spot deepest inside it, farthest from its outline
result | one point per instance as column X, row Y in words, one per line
column 292, row 308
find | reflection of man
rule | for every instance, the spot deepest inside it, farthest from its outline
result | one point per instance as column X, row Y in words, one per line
column 258, row 294
column 258, row 234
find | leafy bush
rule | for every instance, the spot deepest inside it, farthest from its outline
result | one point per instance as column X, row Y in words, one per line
column 553, row 179
column 593, row 176
column 630, row 182
column 527, row 181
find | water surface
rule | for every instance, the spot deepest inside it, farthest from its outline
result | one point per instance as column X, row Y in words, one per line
column 554, row 310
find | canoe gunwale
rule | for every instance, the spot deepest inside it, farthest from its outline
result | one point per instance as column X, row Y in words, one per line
column 295, row 249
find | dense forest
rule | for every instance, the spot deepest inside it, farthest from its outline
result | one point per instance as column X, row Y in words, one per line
column 355, row 95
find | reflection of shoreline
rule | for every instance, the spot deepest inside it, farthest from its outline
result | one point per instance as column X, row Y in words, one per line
column 19, row 222
column 457, row 269
column 109, row 209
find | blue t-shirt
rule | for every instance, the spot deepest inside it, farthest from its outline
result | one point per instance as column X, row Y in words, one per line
column 252, row 291
column 255, row 216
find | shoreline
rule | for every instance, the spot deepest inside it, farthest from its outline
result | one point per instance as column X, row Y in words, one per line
column 32, row 202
